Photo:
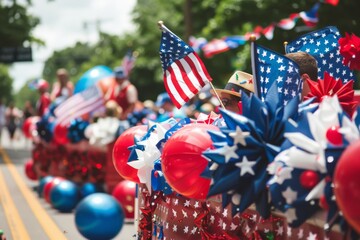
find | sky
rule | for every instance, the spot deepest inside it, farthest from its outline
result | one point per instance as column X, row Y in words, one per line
column 62, row 25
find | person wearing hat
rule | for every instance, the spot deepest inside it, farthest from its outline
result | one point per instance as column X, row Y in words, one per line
column 124, row 93
column 44, row 101
column 230, row 95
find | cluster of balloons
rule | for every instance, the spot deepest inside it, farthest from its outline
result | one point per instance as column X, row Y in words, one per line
column 182, row 164
column 93, row 208
column 46, row 127
column 182, row 161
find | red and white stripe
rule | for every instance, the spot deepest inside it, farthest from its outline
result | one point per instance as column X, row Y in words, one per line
column 288, row 23
column 215, row 46
column 184, row 78
column 128, row 63
column 76, row 106
column 269, row 31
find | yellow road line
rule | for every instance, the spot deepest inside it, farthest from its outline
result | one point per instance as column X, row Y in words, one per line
column 16, row 225
column 47, row 223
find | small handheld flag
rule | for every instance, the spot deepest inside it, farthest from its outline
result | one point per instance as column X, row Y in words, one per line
column 184, row 72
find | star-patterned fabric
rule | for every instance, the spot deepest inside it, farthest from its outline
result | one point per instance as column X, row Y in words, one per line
column 176, row 217
column 271, row 68
column 323, row 45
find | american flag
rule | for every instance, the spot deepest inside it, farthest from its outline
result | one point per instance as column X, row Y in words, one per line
column 323, row 45
column 79, row 104
column 269, row 67
column 184, row 72
column 128, row 62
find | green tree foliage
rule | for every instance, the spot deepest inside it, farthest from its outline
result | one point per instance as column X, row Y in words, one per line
column 5, row 84
column 208, row 18
column 26, row 94
column 16, row 25
column 71, row 58
column 15, row 31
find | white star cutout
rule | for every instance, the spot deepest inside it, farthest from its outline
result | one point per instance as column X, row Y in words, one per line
column 289, row 195
column 312, row 236
column 246, row 166
column 239, row 136
column 228, row 152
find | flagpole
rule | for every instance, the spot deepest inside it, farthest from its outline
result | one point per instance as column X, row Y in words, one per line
column 285, row 45
column 161, row 27
column 221, row 103
column 252, row 40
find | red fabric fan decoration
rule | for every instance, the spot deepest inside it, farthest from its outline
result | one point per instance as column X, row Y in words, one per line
column 329, row 86
column 350, row 50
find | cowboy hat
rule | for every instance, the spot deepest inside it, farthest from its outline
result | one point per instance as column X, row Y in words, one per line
column 238, row 81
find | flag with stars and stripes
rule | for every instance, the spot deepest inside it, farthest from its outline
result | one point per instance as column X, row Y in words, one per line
column 184, row 72
column 270, row 68
column 128, row 62
column 324, row 47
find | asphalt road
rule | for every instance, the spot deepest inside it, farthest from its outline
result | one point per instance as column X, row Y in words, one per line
column 23, row 215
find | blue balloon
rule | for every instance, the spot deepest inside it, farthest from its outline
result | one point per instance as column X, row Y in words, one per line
column 99, row 216
column 43, row 181
column 64, row 196
column 92, row 76
column 90, row 188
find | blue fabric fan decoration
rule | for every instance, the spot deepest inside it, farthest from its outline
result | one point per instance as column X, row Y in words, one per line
column 245, row 147
column 303, row 170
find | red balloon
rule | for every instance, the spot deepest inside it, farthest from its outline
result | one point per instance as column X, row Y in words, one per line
column 121, row 152
column 30, row 171
column 124, row 192
column 48, row 187
column 29, row 125
column 182, row 161
column 60, row 134
column 334, row 136
column 347, row 184
column 309, row 179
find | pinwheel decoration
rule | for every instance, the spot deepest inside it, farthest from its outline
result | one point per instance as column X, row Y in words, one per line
column 303, row 171
column 245, row 147
column 147, row 150
column 329, row 86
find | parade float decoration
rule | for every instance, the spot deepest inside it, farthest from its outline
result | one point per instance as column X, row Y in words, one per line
column 265, row 174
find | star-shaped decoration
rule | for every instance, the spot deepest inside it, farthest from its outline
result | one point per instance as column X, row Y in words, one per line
column 228, row 152
column 280, row 231
column 239, row 136
column 289, row 195
column 246, row 166
column 312, row 236
column 291, row 215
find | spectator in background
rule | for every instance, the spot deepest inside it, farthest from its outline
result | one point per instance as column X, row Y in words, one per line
column 44, row 101
column 28, row 110
column 2, row 117
column 230, row 96
column 308, row 69
column 13, row 116
column 124, row 93
column 63, row 87
column 166, row 108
